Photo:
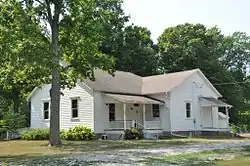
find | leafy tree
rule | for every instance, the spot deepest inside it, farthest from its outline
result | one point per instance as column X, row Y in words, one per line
column 190, row 46
column 237, row 53
column 73, row 32
column 134, row 51
column 20, row 39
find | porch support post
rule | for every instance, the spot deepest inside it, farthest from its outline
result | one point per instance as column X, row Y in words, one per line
column 227, row 117
column 124, row 116
column 144, row 115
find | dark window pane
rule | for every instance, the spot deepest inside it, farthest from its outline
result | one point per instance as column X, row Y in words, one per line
column 74, row 113
column 155, row 106
column 46, row 106
column 74, row 103
column 111, row 112
column 188, row 114
column 188, row 110
column 156, row 110
column 46, row 114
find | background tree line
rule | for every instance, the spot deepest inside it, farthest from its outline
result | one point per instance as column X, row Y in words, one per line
column 35, row 35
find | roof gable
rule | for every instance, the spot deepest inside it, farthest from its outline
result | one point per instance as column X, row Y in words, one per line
column 122, row 82
column 164, row 82
column 129, row 83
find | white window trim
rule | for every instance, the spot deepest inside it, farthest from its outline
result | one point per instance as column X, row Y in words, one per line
column 46, row 101
column 191, row 109
column 71, row 99
column 152, row 115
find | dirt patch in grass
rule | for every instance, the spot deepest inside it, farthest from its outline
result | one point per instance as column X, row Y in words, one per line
column 225, row 157
column 12, row 151
column 30, row 149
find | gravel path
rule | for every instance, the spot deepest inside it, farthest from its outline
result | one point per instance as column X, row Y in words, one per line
column 134, row 156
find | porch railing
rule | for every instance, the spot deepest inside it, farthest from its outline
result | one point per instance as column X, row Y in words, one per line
column 119, row 124
column 152, row 124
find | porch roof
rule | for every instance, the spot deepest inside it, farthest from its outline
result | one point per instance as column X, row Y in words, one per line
column 133, row 99
column 210, row 101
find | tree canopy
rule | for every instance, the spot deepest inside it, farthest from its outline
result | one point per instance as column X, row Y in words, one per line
column 223, row 59
column 134, row 51
column 62, row 30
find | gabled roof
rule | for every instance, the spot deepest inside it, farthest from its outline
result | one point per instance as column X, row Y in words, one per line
column 129, row 83
column 122, row 82
column 164, row 82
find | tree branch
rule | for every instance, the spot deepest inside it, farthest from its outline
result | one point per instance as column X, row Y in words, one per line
column 38, row 1
column 49, row 15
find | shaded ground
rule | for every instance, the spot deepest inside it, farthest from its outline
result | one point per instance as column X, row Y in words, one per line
column 109, row 152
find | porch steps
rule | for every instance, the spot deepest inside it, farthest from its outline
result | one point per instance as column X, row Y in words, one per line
column 151, row 136
column 114, row 136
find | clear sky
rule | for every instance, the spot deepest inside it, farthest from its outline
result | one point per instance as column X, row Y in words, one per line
column 156, row 15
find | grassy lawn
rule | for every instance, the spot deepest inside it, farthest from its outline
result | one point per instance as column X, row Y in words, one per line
column 240, row 161
column 13, row 151
column 229, row 157
column 37, row 148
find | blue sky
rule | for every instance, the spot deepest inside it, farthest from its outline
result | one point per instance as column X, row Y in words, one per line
column 156, row 15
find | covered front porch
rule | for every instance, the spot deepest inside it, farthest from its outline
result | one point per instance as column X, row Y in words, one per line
column 131, row 111
column 214, row 114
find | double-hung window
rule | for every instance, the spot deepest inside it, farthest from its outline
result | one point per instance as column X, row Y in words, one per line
column 46, row 110
column 188, row 110
column 74, row 108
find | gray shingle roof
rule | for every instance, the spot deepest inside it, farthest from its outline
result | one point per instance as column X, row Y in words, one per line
column 129, row 83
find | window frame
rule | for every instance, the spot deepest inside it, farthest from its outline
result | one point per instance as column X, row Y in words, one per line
column 73, row 109
column 152, row 112
column 190, row 110
column 112, row 112
column 48, row 110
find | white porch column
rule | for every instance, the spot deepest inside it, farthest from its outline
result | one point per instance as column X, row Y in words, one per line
column 227, row 117
column 144, row 114
column 124, row 116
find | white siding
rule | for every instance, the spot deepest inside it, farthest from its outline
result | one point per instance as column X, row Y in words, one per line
column 36, row 114
column 164, row 111
column 207, row 117
column 85, row 108
column 186, row 93
column 101, row 113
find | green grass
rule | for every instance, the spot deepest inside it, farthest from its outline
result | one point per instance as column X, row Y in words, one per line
column 17, row 151
column 227, row 157
column 27, row 149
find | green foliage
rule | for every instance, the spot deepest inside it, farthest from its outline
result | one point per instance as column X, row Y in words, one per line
column 223, row 59
column 35, row 134
column 134, row 51
column 33, row 32
column 243, row 119
column 78, row 133
column 133, row 133
column 13, row 121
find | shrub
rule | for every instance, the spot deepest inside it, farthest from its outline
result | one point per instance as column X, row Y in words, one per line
column 78, row 133
column 35, row 134
column 133, row 133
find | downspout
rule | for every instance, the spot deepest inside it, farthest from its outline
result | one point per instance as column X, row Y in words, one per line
column 193, row 106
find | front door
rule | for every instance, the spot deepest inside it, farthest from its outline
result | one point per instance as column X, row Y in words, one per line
column 207, row 118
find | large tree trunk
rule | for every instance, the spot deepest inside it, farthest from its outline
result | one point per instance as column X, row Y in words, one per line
column 55, row 90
